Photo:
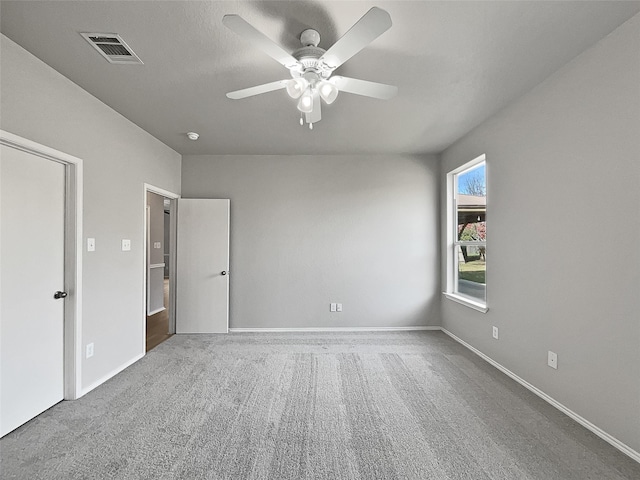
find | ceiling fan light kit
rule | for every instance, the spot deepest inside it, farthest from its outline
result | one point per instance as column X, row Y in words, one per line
column 296, row 87
column 305, row 105
column 328, row 92
column 311, row 67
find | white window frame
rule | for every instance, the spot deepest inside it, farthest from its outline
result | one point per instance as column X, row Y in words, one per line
column 453, row 243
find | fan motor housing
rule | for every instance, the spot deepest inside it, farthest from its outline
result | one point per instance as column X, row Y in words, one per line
column 309, row 54
column 308, row 57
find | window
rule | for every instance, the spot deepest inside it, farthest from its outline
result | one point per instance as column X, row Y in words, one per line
column 467, row 234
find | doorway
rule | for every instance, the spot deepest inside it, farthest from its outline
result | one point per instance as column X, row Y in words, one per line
column 160, row 225
column 40, row 284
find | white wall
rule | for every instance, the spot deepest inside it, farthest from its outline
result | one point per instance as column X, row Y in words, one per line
column 310, row 230
column 563, row 228
column 40, row 104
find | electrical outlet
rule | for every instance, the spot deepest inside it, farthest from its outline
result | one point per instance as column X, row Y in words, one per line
column 495, row 333
column 91, row 244
column 334, row 307
column 89, row 350
column 126, row 245
column 552, row 360
column 339, row 307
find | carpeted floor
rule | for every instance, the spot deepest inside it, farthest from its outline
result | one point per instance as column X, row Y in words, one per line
column 397, row 405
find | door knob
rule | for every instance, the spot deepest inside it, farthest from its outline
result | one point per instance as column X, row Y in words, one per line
column 223, row 272
column 60, row 294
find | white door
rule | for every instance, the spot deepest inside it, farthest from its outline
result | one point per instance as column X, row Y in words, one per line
column 32, row 259
column 202, row 303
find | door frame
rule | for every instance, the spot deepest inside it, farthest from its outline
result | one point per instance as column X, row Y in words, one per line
column 173, row 235
column 72, row 336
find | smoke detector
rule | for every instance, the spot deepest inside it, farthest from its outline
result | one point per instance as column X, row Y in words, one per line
column 193, row 135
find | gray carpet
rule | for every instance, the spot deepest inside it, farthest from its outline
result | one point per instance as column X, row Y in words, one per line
column 398, row 405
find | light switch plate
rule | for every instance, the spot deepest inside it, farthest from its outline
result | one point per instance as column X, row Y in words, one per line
column 126, row 245
column 495, row 333
column 552, row 360
column 339, row 307
column 91, row 244
column 333, row 307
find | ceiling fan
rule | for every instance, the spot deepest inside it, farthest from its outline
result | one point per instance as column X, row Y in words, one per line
column 311, row 67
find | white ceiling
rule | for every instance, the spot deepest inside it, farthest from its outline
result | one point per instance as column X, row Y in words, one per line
column 455, row 63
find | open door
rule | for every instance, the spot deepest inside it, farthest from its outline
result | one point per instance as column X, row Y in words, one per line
column 202, row 303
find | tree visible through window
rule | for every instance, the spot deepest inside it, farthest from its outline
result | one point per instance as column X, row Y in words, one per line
column 469, row 246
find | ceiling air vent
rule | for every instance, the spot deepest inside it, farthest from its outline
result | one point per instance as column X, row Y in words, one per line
column 112, row 47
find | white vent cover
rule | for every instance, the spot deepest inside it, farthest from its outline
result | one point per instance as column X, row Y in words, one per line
column 112, row 47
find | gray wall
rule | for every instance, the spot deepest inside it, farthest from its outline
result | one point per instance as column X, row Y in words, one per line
column 310, row 230
column 563, row 265
column 40, row 104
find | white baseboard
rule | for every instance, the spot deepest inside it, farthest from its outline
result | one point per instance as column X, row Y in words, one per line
column 581, row 420
column 111, row 374
column 157, row 310
column 332, row 329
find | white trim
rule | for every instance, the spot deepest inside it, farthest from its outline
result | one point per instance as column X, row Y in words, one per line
column 469, row 164
column 567, row 411
column 468, row 302
column 451, row 271
column 30, row 146
column 157, row 310
column 470, row 243
column 160, row 191
column 173, row 262
column 333, row 329
column 147, row 187
column 73, row 255
column 147, row 271
column 112, row 374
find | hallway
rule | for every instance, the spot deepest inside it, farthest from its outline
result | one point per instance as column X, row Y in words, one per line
column 158, row 324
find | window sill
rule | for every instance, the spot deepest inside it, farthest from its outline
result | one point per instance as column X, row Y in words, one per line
column 467, row 301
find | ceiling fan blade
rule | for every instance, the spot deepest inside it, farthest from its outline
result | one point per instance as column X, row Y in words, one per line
column 372, row 24
column 260, row 40
column 364, row 87
column 316, row 114
column 257, row 90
